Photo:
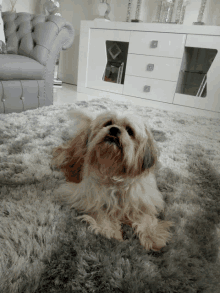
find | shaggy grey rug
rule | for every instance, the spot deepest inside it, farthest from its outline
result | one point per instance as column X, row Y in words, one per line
column 44, row 249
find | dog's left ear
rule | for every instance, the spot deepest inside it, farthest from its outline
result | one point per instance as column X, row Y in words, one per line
column 151, row 152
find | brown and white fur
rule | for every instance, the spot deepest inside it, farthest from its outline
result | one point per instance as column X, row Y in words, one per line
column 109, row 167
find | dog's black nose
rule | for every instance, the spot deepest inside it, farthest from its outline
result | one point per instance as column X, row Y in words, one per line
column 114, row 131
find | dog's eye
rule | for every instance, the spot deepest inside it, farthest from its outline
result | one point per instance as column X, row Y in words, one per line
column 130, row 131
column 108, row 123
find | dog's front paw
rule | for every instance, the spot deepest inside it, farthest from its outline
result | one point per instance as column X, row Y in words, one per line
column 146, row 242
column 111, row 229
column 150, row 244
column 153, row 234
column 118, row 235
column 110, row 233
column 105, row 227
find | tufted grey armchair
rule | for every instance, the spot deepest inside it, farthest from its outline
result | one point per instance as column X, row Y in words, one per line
column 27, row 70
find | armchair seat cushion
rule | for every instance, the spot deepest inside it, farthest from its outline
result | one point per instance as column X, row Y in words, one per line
column 17, row 67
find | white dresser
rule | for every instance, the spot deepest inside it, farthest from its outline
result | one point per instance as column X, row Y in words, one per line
column 172, row 67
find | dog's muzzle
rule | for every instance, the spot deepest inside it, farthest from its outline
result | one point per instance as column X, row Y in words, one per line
column 113, row 135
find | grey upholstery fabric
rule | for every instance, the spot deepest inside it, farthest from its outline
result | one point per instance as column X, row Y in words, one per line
column 20, row 67
column 33, row 44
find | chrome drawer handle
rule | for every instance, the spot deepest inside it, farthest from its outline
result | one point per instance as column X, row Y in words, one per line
column 154, row 44
column 146, row 88
column 150, row 67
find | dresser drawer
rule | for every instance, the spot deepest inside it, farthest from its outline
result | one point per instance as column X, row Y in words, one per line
column 153, row 67
column 157, row 44
column 159, row 90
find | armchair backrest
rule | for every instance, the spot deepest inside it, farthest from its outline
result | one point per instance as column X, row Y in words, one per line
column 33, row 35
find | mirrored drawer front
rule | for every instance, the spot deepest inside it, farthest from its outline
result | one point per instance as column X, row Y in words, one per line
column 152, row 89
column 157, row 44
column 153, row 67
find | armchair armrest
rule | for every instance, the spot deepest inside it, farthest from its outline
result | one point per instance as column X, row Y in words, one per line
column 34, row 36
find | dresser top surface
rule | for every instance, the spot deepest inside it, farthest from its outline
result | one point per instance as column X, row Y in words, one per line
column 154, row 27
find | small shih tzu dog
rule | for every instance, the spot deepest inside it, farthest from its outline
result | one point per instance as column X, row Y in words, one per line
column 109, row 168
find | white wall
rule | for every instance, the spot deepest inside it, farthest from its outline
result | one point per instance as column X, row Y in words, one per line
column 21, row 5
column 74, row 12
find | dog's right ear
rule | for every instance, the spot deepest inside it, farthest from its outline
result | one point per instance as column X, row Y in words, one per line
column 70, row 156
column 80, row 115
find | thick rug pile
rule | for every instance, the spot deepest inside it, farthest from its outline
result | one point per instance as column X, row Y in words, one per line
column 44, row 249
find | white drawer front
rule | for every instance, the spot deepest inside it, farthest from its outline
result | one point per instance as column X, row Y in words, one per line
column 168, row 45
column 159, row 90
column 153, row 67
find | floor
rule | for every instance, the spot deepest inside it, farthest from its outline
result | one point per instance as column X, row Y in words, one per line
column 65, row 95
